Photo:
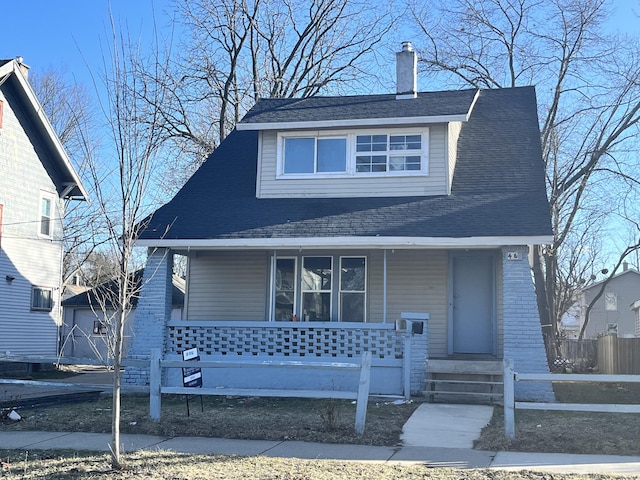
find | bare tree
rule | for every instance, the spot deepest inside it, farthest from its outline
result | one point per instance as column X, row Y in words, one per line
column 71, row 111
column 122, row 173
column 588, row 85
column 237, row 51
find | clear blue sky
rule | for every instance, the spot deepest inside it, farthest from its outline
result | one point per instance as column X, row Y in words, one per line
column 69, row 33
column 59, row 33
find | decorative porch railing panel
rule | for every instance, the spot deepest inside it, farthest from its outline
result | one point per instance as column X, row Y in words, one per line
column 306, row 340
column 248, row 342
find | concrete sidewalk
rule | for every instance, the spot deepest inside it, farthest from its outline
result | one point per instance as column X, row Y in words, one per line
column 436, row 435
column 428, row 456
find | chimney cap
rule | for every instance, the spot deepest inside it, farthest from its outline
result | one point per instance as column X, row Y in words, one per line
column 407, row 47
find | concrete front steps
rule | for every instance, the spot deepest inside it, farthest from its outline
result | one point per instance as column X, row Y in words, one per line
column 476, row 381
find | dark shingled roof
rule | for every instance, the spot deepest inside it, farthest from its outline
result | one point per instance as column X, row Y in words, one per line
column 498, row 188
column 107, row 291
column 313, row 109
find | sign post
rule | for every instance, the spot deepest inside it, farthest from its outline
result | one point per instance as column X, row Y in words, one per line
column 192, row 376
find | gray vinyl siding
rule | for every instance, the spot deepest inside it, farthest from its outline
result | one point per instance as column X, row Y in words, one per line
column 227, row 286
column 452, row 150
column 24, row 254
column 626, row 287
column 435, row 183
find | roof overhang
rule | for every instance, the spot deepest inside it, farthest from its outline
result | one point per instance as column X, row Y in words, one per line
column 72, row 188
column 352, row 123
column 345, row 243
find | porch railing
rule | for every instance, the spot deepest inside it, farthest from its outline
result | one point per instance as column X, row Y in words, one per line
column 291, row 339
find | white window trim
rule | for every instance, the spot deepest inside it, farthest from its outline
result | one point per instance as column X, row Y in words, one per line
column 351, row 135
column 51, row 198
column 364, row 292
column 41, row 309
column 296, row 284
column 330, row 291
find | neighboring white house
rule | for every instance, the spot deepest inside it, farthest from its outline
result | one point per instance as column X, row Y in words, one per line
column 86, row 315
column 36, row 179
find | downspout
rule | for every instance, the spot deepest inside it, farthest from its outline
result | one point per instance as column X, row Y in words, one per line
column 384, row 287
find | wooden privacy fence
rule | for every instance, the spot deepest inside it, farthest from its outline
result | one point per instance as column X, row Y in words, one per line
column 360, row 393
column 510, row 377
column 619, row 355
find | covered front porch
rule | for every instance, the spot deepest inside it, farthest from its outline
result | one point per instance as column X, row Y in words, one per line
column 319, row 304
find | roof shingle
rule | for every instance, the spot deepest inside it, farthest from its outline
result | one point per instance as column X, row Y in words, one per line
column 498, row 189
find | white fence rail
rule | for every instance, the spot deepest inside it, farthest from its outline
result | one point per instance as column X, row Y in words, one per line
column 360, row 394
column 510, row 405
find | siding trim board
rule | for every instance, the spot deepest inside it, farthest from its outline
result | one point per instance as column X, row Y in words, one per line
column 345, row 242
column 362, row 122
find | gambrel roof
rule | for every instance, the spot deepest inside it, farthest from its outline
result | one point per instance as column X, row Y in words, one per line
column 498, row 187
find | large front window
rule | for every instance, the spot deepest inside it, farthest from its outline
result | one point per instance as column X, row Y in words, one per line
column 352, row 289
column 326, row 289
column 317, row 274
column 285, row 288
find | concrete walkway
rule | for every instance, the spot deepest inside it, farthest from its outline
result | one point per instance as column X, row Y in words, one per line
column 437, row 435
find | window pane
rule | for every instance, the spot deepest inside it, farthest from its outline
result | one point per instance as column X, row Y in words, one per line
column 375, row 163
column 316, row 273
column 352, row 307
column 41, row 299
column 316, row 307
column 371, row 143
column 352, row 274
column 45, row 217
column 299, row 155
column 332, row 155
column 404, row 163
column 285, row 288
column 363, row 143
column 405, row 142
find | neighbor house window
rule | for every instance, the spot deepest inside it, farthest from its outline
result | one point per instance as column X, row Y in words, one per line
column 99, row 327
column 352, row 289
column 357, row 152
column 285, row 288
column 45, row 216
column 41, row 298
column 315, row 155
column 317, row 285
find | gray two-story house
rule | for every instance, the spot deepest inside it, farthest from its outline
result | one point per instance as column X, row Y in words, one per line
column 36, row 179
column 328, row 226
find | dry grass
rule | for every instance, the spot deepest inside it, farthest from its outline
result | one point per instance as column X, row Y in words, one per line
column 572, row 432
column 328, row 421
column 172, row 466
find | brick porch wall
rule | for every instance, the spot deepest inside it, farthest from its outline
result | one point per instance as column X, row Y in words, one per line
column 152, row 314
column 523, row 342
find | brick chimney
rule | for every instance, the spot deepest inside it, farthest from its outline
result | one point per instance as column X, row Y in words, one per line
column 406, row 72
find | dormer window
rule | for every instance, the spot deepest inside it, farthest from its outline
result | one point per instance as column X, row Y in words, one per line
column 353, row 153
column 315, row 155
column 388, row 153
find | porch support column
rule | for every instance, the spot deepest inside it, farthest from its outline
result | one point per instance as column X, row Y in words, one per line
column 272, row 287
column 523, row 342
column 152, row 314
column 384, row 287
